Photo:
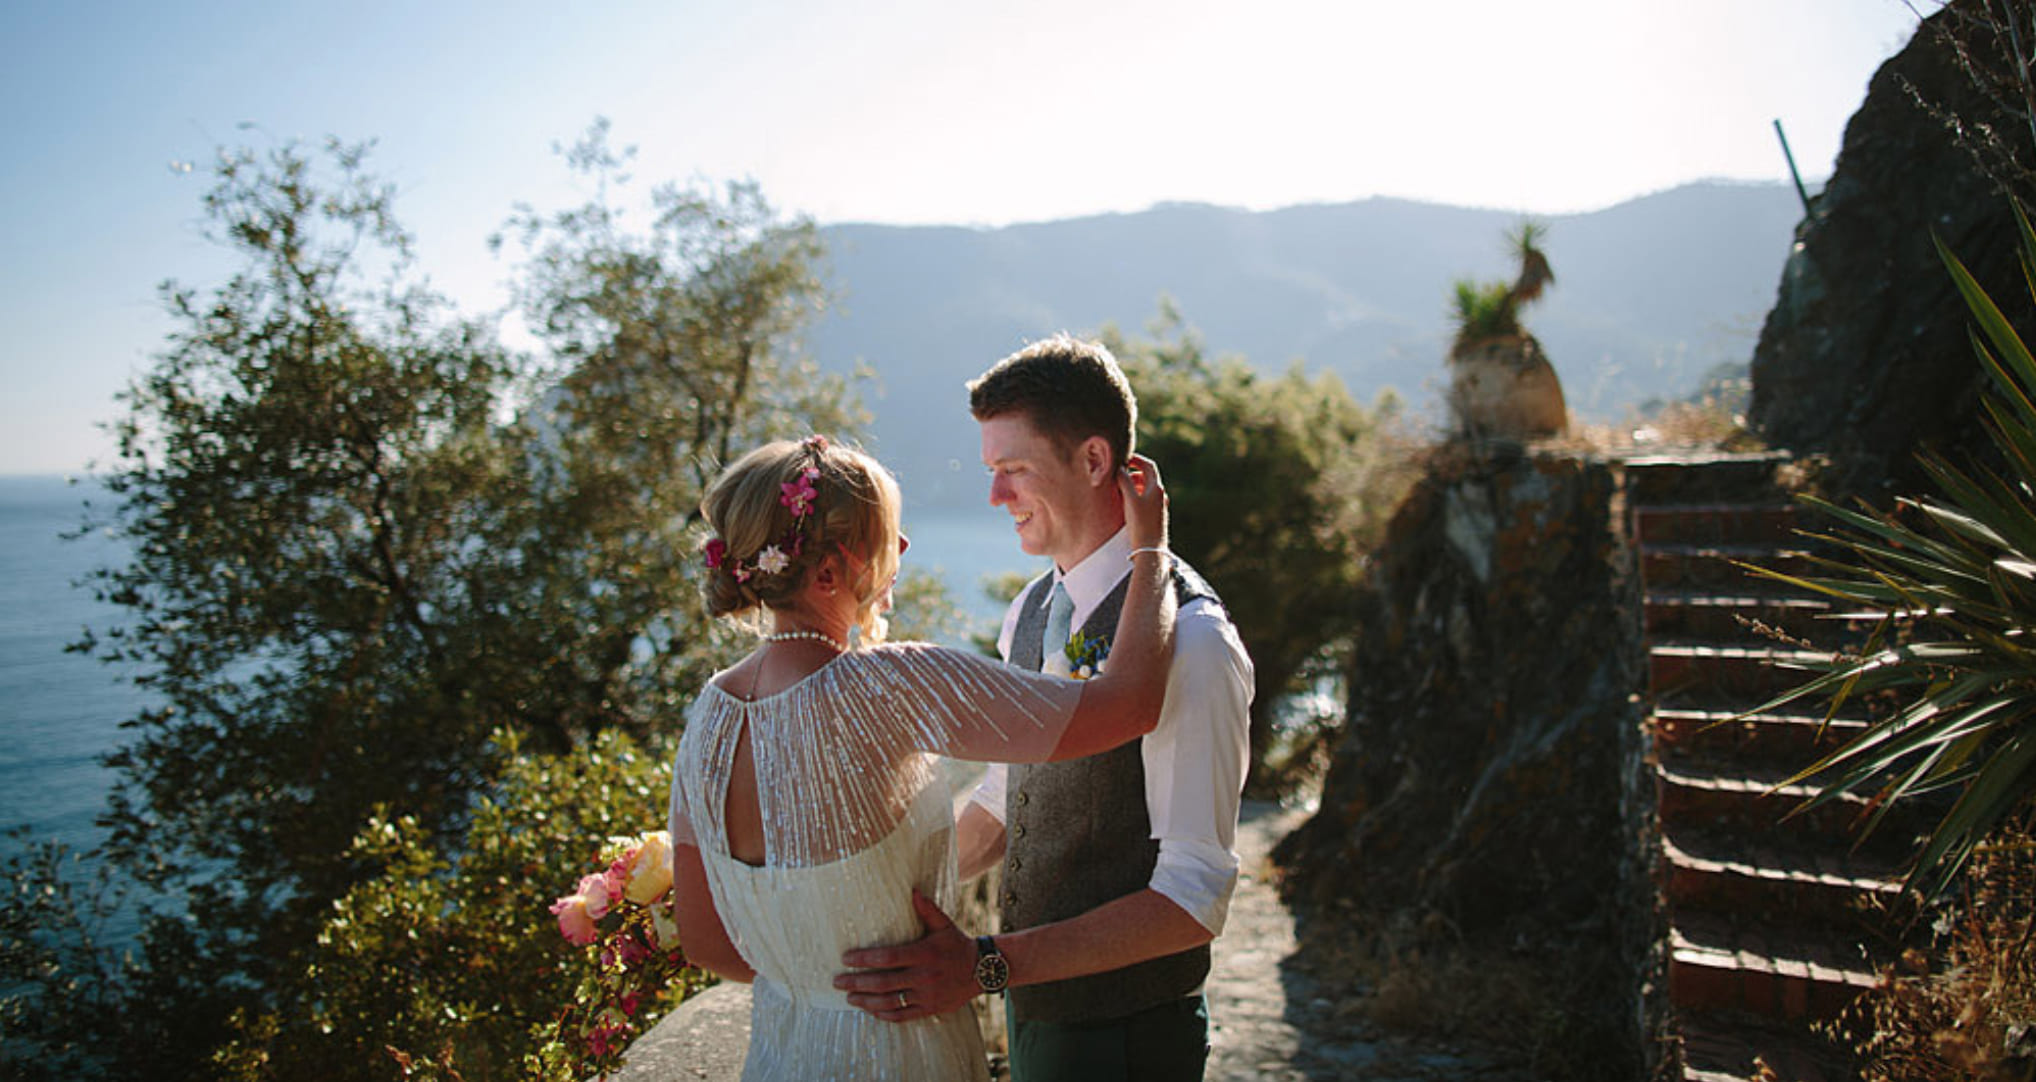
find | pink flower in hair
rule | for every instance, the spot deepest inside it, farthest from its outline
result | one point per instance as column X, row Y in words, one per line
column 799, row 495
column 717, row 551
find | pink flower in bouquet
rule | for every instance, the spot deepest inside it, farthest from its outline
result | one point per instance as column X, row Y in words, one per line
column 574, row 922
column 578, row 911
column 615, row 881
column 599, row 899
column 649, row 868
column 599, row 893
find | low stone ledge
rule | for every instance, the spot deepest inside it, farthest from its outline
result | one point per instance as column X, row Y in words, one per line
column 705, row 1038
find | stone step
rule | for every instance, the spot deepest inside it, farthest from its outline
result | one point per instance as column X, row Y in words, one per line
column 1794, row 974
column 1713, row 523
column 1754, row 672
column 1731, row 1047
column 1730, row 614
column 1701, row 477
column 1760, row 805
column 1716, row 566
column 1789, row 737
column 1715, row 872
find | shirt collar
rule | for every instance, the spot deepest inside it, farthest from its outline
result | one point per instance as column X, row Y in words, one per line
column 1090, row 581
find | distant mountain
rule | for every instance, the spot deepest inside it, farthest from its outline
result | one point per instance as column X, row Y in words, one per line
column 1649, row 295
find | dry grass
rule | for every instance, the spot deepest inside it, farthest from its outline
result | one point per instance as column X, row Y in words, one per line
column 1966, row 1007
column 1706, row 424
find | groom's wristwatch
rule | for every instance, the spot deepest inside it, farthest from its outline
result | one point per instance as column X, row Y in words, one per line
column 993, row 973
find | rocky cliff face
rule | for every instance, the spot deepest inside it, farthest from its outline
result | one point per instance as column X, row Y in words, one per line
column 1864, row 356
column 1492, row 753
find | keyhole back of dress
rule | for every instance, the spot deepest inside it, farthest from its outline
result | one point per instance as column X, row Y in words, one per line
column 743, row 813
column 766, row 673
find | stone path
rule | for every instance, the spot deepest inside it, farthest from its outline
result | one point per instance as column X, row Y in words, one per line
column 1272, row 1021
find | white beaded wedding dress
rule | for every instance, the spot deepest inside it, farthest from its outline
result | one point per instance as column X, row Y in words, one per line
column 856, row 816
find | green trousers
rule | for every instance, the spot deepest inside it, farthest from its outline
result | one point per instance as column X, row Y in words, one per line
column 1167, row 1043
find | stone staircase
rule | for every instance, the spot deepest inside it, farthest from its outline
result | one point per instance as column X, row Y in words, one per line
column 1766, row 933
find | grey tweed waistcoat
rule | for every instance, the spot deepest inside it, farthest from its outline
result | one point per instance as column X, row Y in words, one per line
column 1077, row 835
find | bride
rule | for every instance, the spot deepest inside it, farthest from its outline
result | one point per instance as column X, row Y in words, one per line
column 806, row 807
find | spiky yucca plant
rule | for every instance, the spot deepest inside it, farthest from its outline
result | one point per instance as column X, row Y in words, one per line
column 1963, row 583
column 1535, row 273
column 1492, row 309
column 1484, row 310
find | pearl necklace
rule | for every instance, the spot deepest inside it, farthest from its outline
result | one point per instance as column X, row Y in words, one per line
column 816, row 636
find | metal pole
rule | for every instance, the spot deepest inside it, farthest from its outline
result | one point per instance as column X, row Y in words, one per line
column 1801, row 192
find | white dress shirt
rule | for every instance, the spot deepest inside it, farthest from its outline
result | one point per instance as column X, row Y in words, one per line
column 1194, row 760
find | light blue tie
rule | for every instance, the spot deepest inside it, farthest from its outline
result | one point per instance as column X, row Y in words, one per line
column 1060, row 613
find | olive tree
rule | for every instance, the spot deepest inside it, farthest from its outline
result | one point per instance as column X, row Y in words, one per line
column 364, row 536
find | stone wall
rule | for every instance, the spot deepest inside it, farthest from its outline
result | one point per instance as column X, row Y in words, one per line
column 1492, row 758
column 1864, row 357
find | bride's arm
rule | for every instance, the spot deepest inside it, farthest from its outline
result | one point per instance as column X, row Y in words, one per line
column 701, row 933
column 1122, row 703
column 968, row 707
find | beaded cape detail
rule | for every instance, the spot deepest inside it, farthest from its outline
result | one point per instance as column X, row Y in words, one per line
column 857, row 814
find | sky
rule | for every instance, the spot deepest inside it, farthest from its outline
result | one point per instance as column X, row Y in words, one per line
column 954, row 112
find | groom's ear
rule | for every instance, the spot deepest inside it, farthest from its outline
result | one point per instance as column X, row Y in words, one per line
column 1093, row 455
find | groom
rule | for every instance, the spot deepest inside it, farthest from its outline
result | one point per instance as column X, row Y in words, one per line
column 1118, row 868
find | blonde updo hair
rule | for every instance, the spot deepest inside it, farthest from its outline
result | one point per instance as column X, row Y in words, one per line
column 856, row 510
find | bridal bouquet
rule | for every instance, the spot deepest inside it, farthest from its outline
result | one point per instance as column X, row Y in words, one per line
column 622, row 916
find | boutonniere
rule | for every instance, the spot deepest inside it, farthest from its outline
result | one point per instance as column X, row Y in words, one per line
column 1086, row 654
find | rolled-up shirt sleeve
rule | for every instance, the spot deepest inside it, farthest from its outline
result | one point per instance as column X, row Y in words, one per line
column 1195, row 762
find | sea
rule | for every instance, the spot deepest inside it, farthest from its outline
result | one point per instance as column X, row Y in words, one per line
column 60, row 712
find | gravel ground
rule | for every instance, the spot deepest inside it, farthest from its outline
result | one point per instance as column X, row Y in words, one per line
column 1272, row 1021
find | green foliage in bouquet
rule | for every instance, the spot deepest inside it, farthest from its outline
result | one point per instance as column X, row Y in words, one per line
column 456, row 969
column 1955, row 650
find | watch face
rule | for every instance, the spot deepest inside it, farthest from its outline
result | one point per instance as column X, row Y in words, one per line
column 992, row 972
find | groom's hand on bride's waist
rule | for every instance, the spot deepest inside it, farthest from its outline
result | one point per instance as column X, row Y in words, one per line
column 936, row 972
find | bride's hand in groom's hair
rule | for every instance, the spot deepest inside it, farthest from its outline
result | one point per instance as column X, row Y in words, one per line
column 1145, row 509
column 936, row 972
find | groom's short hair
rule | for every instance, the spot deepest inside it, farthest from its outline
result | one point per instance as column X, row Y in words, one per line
column 1069, row 388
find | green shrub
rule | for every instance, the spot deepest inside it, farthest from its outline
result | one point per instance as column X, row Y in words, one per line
column 437, row 969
